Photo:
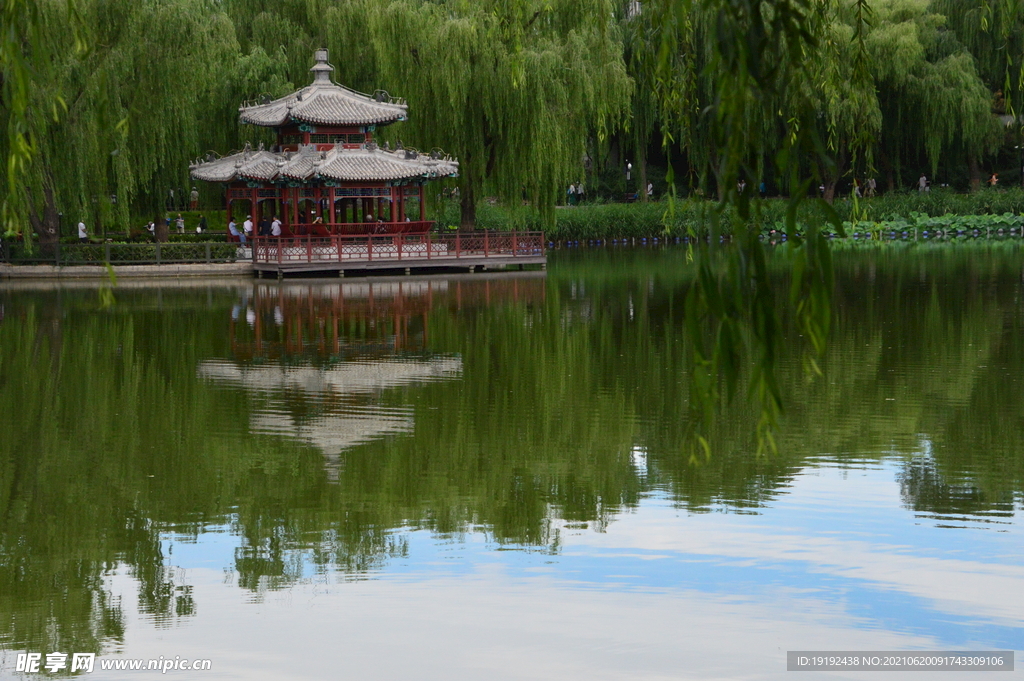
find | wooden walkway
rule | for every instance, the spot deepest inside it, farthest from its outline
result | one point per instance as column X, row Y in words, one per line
column 344, row 253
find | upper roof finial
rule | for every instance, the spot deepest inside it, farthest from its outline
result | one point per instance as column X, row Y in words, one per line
column 321, row 70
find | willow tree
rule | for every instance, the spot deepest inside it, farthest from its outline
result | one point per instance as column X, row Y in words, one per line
column 510, row 88
column 24, row 61
column 895, row 84
column 677, row 53
column 119, row 120
column 660, row 95
column 930, row 93
column 751, row 101
column 993, row 31
column 845, row 93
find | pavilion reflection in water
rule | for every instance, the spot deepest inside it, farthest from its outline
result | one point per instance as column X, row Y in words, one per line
column 317, row 357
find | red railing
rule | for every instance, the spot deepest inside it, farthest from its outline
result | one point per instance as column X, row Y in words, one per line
column 300, row 250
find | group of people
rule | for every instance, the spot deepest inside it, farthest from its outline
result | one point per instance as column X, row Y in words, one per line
column 576, row 193
column 176, row 201
column 266, row 228
column 870, row 186
column 179, row 222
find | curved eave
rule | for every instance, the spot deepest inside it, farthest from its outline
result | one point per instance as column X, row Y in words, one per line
column 384, row 166
column 324, row 105
column 339, row 165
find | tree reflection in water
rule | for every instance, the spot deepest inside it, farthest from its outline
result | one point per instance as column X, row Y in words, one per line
column 320, row 422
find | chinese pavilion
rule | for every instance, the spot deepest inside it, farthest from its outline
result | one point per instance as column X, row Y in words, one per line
column 326, row 175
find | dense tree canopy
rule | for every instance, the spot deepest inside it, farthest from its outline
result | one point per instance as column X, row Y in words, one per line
column 113, row 98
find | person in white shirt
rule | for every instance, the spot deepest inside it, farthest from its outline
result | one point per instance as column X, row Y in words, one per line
column 233, row 231
column 83, row 235
column 180, row 222
column 247, row 226
column 275, row 227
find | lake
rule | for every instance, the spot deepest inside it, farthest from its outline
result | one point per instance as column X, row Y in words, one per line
column 493, row 476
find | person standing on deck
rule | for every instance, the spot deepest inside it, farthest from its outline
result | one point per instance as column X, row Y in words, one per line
column 247, row 228
column 275, row 227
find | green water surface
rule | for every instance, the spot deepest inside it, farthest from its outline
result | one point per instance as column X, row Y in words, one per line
column 492, row 476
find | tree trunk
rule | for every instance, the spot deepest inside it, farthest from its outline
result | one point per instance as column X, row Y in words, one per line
column 47, row 225
column 641, row 162
column 832, row 179
column 890, row 182
column 830, row 189
column 974, row 171
column 468, row 206
column 161, row 231
column 614, row 159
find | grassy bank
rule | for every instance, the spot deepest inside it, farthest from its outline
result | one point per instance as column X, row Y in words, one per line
column 938, row 209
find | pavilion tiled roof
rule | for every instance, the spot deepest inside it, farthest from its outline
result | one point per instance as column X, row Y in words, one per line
column 367, row 163
column 325, row 103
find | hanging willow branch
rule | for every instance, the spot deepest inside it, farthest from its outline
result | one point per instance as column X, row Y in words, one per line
column 510, row 88
column 752, row 82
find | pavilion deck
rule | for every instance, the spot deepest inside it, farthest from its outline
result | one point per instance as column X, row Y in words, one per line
column 340, row 253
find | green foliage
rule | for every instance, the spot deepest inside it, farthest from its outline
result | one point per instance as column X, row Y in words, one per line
column 123, row 253
column 696, row 216
column 120, row 117
column 510, row 88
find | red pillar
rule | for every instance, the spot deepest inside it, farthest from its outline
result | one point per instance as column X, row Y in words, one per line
column 423, row 206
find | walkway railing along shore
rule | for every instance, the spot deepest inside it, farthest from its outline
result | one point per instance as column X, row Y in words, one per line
column 396, row 247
